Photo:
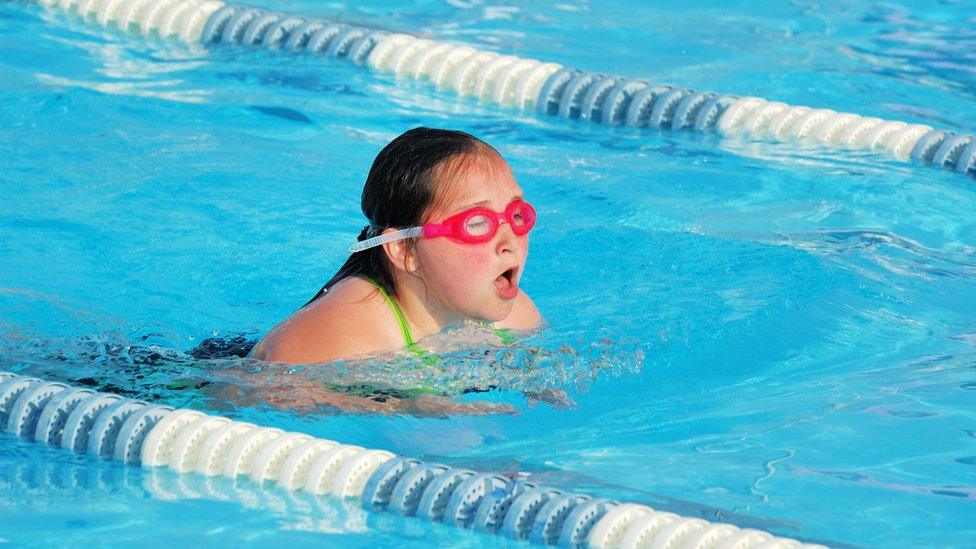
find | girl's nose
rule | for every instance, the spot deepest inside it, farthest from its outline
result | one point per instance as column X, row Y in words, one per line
column 507, row 240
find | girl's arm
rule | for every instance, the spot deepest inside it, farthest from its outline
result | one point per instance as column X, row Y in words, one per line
column 293, row 393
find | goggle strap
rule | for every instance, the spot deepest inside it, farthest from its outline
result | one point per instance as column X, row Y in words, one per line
column 382, row 239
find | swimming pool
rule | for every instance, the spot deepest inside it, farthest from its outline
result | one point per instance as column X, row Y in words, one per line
column 770, row 335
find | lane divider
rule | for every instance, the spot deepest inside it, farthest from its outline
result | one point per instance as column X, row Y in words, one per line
column 185, row 441
column 529, row 85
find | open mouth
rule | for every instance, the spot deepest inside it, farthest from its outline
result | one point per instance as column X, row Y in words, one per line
column 506, row 285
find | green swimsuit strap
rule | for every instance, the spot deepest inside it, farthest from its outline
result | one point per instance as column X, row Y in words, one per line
column 426, row 357
column 401, row 320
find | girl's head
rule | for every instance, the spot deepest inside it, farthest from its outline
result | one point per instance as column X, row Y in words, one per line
column 428, row 175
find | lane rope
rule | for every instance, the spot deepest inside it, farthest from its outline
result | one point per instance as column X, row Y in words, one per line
column 194, row 443
column 528, row 85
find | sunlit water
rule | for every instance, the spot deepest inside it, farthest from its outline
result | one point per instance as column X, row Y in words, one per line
column 774, row 336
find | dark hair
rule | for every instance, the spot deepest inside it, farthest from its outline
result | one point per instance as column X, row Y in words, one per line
column 399, row 189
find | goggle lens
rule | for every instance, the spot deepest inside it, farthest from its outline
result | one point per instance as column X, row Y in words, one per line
column 478, row 225
column 522, row 217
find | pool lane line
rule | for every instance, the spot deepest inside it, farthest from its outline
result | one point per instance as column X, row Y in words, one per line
column 107, row 426
column 528, row 85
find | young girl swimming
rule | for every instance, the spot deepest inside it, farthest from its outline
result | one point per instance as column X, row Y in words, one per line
column 446, row 243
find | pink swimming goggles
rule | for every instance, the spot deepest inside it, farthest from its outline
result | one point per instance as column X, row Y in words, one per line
column 473, row 226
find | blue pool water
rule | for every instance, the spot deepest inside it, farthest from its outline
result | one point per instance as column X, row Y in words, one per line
column 774, row 336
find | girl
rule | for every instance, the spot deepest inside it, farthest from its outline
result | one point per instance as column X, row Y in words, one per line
column 446, row 242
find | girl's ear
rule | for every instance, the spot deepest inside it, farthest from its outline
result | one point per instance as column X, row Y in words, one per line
column 401, row 254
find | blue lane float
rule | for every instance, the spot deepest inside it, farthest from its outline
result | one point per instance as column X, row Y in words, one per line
column 529, row 85
column 191, row 442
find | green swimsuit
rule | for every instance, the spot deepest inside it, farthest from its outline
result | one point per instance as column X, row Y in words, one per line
column 408, row 341
column 426, row 357
column 503, row 333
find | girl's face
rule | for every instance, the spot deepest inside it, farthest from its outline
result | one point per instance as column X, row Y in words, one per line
column 476, row 281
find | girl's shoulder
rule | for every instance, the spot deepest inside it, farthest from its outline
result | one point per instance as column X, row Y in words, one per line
column 350, row 320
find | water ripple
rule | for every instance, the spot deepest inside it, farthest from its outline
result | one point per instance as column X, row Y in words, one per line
column 914, row 48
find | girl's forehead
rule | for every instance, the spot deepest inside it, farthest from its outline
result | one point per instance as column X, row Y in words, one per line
column 482, row 179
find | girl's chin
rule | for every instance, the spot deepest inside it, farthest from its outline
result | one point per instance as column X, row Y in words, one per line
column 489, row 312
column 500, row 313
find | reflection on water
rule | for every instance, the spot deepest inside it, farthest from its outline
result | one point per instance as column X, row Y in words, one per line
column 952, row 491
column 914, row 47
column 40, row 493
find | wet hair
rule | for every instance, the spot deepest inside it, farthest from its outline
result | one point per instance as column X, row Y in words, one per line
column 405, row 181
